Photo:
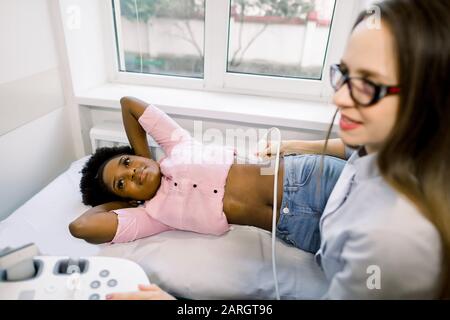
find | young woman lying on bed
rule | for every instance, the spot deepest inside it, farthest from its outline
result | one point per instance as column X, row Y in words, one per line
column 199, row 188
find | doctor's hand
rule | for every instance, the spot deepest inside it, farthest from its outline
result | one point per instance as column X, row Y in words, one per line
column 335, row 147
column 146, row 292
column 270, row 149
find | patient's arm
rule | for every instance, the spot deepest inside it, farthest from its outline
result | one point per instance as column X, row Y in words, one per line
column 132, row 109
column 98, row 224
column 162, row 128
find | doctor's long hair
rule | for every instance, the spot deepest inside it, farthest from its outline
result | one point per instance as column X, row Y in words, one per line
column 415, row 160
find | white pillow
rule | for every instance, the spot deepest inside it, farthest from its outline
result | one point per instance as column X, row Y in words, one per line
column 237, row 265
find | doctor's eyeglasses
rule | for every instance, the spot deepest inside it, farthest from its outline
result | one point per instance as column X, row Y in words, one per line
column 364, row 92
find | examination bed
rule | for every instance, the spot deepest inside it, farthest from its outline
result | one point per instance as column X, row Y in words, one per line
column 237, row 265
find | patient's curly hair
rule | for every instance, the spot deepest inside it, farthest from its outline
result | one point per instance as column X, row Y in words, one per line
column 92, row 187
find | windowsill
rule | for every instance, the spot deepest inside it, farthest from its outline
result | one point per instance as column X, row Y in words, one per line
column 280, row 112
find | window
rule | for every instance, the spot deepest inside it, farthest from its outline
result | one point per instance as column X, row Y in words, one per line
column 161, row 36
column 279, row 38
column 267, row 47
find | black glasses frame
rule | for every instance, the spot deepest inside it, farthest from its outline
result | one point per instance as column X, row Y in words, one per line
column 380, row 90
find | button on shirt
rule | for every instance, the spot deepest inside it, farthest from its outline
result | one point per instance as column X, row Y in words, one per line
column 375, row 242
column 190, row 196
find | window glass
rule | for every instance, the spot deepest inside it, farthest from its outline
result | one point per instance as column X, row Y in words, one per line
column 161, row 36
column 286, row 38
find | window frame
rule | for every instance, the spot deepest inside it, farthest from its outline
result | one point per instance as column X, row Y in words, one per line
column 216, row 78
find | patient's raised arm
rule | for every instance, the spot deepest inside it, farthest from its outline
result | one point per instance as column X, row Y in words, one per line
column 98, row 224
column 132, row 109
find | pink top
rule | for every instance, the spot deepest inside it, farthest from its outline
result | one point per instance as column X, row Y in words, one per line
column 192, row 186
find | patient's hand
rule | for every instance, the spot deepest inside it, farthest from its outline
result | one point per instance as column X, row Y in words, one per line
column 147, row 292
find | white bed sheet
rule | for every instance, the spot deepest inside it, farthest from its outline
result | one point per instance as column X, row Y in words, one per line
column 235, row 266
column 44, row 219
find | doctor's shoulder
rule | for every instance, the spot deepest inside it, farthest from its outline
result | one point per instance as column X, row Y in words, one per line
column 400, row 258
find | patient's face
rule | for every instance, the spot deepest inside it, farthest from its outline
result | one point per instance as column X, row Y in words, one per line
column 133, row 177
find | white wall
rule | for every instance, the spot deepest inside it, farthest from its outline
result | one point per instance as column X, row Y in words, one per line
column 35, row 139
column 86, row 57
column 92, row 116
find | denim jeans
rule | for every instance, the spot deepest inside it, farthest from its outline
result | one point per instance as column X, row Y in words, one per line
column 306, row 188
